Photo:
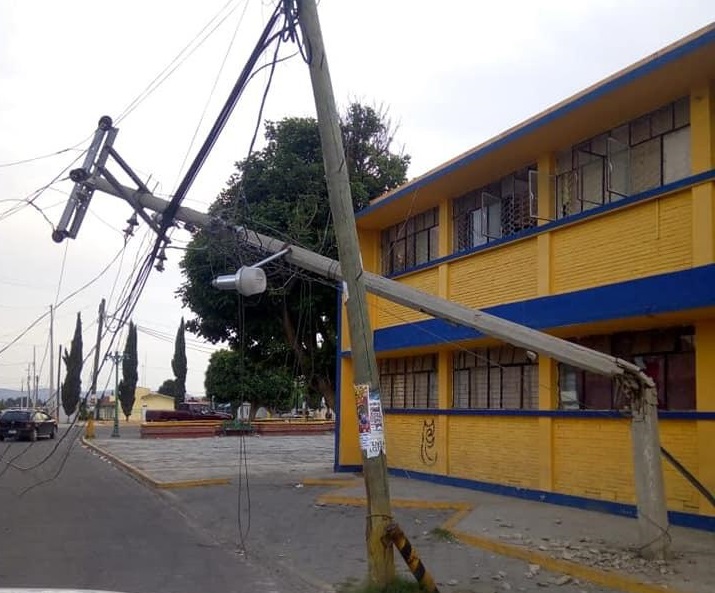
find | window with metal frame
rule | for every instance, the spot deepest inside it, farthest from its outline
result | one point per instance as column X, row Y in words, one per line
column 497, row 378
column 497, row 210
column 409, row 382
column 411, row 243
column 666, row 355
column 645, row 153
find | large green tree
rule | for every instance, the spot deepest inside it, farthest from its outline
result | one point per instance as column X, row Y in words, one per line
column 291, row 329
column 233, row 376
column 281, row 191
column 168, row 387
column 72, row 385
column 179, row 364
column 130, row 375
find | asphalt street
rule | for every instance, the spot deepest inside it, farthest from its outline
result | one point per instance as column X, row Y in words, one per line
column 85, row 524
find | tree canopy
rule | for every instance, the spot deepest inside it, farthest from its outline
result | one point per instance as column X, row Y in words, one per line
column 130, row 376
column 168, row 387
column 289, row 331
column 72, row 385
column 179, row 364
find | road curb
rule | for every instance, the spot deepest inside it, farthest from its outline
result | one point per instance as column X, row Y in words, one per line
column 580, row 571
column 339, row 482
column 144, row 478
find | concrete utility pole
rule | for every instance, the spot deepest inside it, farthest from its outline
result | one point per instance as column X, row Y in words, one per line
column 647, row 467
column 381, row 563
column 59, row 380
column 34, row 374
column 52, row 358
column 652, row 514
column 28, row 398
column 97, row 347
column 116, row 359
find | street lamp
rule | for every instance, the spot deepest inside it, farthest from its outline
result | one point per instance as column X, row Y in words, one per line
column 115, row 358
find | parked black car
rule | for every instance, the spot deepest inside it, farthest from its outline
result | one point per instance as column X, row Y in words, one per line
column 29, row 424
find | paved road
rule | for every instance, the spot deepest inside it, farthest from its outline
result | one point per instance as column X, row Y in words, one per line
column 93, row 526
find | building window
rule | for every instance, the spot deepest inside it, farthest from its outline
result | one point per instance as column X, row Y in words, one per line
column 409, row 382
column 498, row 210
column 497, row 378
column 645, row 153
column 411, row 243
column 667, row 356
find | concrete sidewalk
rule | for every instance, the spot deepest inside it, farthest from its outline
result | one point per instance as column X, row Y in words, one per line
column 583, row 546
column 591, row 546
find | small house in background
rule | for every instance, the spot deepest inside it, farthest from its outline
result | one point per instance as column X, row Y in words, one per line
column 144, row 398
column 593, row 221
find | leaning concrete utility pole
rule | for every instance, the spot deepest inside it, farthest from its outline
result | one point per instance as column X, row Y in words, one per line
column 366, row 378
column 650, row 492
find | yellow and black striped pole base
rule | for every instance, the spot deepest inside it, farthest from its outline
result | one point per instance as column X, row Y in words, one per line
column 413, row 561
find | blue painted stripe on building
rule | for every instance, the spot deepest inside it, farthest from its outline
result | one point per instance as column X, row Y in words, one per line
column 574, row 218
column 617, row 83
column 675, row 291
column 604, row 506
column 349, row 469
column 338, row 374
column 663, row 415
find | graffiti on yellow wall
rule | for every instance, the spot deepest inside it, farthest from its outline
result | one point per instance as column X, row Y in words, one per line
column 428, row 451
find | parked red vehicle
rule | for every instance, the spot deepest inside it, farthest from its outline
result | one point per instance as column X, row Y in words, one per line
column 186, row 411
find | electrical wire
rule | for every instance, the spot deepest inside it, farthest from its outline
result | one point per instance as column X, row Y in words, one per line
column 35, row 195
column 62, row 302
column 213, row 88
column 38, row 158
column 697, row 484
column 62, row 272
column 243, row 479
column 178, row 60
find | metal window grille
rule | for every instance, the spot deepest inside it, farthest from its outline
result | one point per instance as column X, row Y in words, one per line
column 498, row 210
column 410, row 243
column 642, row 154
column 497, row 378
column 409, row 382
column 667, row 355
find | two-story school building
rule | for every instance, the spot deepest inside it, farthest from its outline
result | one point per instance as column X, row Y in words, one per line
column 593, row 221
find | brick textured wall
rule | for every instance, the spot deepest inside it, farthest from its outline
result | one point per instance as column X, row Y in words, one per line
column 501, row 275
column 643, row 240
column 503, row 450
column 389, row 313
column 593, row 458
column 680, row 438
column 405, row 446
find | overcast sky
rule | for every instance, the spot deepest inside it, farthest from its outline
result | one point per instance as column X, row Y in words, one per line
column 453, row 74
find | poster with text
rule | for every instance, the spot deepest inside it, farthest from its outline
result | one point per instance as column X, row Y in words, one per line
column 361, row 401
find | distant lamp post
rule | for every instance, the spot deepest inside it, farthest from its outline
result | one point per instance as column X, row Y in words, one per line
column 116, row 358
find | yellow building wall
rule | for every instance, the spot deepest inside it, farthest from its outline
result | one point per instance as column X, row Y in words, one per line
column 413, row 442
column 641, row 240
column 349, row 450
column 501, row 275
column 389, row 313
column 580, row 456
column 593, row 459
column 153, row 401
column 499, row 449
column 705, row 401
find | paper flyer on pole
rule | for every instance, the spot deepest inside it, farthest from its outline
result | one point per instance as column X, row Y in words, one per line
column 370, row 421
